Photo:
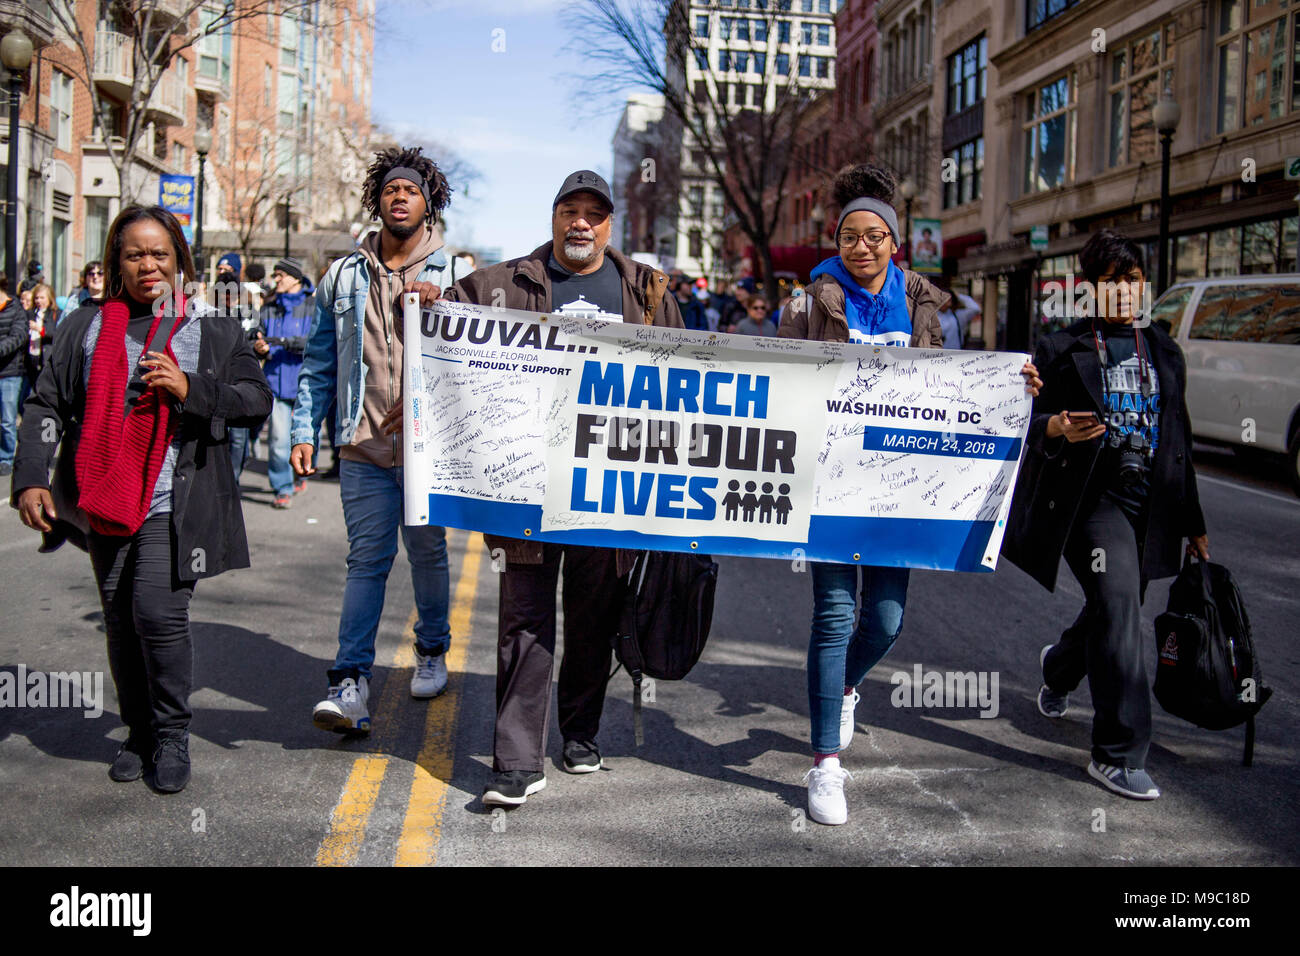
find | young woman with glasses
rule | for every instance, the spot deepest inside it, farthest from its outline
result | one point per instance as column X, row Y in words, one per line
column 857, row 296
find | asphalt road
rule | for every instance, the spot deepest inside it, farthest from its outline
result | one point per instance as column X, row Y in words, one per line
column 718, row 779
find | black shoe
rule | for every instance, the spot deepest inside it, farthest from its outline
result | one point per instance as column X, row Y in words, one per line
column 171, row 760
column 581, row 756
column 129, row 763
column 511, row 788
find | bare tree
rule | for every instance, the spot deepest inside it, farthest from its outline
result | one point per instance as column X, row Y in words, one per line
column 645, row 45
column 154, row 34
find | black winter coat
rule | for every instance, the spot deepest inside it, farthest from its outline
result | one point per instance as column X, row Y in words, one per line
column 1060, row 481
column 13, row 339
column 227, row 389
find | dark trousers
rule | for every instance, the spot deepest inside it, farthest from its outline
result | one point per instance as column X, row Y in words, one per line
column 147, row 617
column 1105, row 640
column 526, row 651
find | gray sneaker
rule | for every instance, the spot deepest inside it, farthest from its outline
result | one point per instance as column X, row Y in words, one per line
column 1050, row 703
column 1126, row 781
column 429, row 679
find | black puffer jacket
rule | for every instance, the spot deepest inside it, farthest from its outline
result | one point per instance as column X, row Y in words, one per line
column 13, row 339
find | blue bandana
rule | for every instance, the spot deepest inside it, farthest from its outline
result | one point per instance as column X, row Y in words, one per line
column 880, row 319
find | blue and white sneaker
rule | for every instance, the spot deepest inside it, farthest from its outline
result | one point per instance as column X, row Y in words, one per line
column 1050, row 703
column 1125, row 781
column 429, row 679
column 344, row 708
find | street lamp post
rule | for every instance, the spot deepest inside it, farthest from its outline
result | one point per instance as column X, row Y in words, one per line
column 907, row 189
column 818, row 216
column 286, row 225
column 16, row 54
column 202, row 145
column 1166, row 114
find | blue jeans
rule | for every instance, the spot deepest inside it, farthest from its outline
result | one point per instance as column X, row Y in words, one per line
column 239, row 443
column 372, row 509
column 840, row 655
column 278, row 447
column 10, row 390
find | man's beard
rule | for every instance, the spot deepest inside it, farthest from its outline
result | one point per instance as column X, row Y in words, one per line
column 575, row 253
column 403, row 232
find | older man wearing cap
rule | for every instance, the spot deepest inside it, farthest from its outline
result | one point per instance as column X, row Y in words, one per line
column 576, row 263
column 354, row 357
column 281, row 339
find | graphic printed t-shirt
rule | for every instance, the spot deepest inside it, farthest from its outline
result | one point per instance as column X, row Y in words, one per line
column 1127, row 409
column 602, row 288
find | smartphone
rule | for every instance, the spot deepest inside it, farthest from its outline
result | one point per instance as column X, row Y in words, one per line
column 1082, row 418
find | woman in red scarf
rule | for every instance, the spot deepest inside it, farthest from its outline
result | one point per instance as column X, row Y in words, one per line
column 141, row 389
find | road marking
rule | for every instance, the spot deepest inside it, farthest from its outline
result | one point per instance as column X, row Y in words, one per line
column 1254, row 491
column 348, row 824
column 421, row 828
column 342, row 843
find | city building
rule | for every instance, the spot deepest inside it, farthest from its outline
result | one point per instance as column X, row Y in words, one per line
column 1071, row 144
column 903, row 136
column 286, row 97
column 644, row 182
column 741, row 55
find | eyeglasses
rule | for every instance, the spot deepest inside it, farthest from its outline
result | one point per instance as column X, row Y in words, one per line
column 95, row 272
column 758, row 307
column 850, row 240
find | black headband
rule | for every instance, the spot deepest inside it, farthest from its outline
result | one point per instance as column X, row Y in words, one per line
column 407, row 173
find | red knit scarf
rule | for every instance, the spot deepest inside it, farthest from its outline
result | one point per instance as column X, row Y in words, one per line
column 121, row 455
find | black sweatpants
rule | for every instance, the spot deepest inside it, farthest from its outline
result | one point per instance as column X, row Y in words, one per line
column 147, row 617
column 1105, row 640
column 526, row 651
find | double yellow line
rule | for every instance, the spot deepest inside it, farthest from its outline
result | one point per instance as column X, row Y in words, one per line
column 422, row 824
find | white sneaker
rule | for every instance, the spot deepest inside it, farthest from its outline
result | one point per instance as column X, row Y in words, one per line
column 430, row 676
column 344, row 709
column 826, row 792
column 846, row 718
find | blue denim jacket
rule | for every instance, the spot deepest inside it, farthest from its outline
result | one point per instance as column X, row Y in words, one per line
column 332, row 366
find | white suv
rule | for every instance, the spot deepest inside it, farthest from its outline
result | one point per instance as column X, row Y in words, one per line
column 1241, row 337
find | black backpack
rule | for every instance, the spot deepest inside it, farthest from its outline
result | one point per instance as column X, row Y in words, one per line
column 667, row 611
column 1207, row 671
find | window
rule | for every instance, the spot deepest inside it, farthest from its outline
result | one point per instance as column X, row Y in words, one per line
column 968, row 161
column 1210, row 312
column 807, row 6
column 823, row 67
column 1189, row 256
column 1038, row 12
column 742, row 62
column 702, row 25
column 724, row 27
column 701, row 58
column 783, row 31
column 760, row 31
column 289, row 41
column 868, row 69
column 180, row 156
column 287, row 101
column 760, row 63
column 724, row 61
column 742, row 30
column 783, row 64
column 1139, row 71
column 807, row 31
column 696, row 246
column 61, row 110
column 268, row 84
column 805, row 64
column 97, row 220
column 1283, row 326
column 695, row 199
column 214, row 48
column 1255, row 63
column 967, row 69
column 1259, row 247
column 1171, row 306
column 1225, row 252
column 1049, row 130
column 823, row 34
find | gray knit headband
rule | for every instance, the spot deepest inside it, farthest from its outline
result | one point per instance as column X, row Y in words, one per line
column 882, row 209
column 407, row 173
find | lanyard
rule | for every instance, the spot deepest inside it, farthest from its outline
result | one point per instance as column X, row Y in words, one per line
column 1144, row 377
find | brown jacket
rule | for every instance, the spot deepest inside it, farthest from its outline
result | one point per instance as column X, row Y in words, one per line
column 821, row 317
column 526, row 284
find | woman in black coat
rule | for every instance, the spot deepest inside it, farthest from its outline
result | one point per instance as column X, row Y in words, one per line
column 1108, row 482
column 140, row 388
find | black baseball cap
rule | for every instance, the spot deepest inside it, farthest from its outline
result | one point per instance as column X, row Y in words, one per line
column 584, row 181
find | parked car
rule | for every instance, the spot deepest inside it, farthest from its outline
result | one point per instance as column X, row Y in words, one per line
column 1241, row 336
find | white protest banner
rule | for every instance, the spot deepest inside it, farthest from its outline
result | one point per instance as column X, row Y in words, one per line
column 582, row 431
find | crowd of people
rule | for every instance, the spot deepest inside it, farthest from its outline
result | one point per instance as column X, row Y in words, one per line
column 156, row 401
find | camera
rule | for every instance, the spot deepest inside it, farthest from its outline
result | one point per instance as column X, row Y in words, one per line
column 1135, row 454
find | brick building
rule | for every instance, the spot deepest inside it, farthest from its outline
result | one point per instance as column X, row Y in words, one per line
column 285, row 94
